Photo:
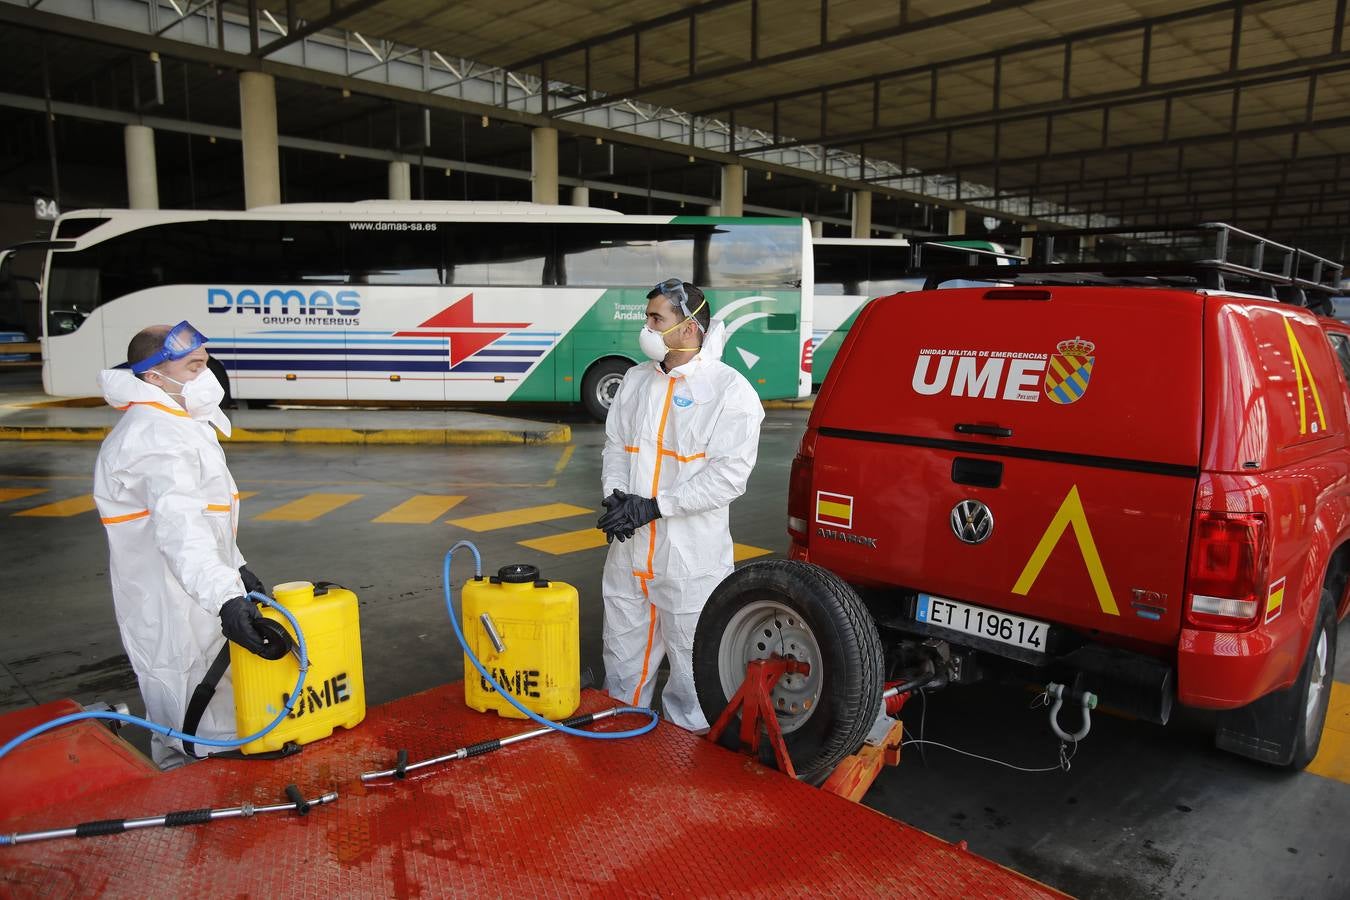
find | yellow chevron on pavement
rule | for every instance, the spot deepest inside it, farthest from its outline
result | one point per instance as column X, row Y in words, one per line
column 308, row 508
column 62, row 508
column 420, row 510
column 528, row 515
column 567, row 542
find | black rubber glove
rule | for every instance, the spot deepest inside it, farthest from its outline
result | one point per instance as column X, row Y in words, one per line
column 612, row 504
column 237, row 622
column 252, row 583
column 623, row 520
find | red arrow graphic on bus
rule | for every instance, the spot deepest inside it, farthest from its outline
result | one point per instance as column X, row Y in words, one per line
column 466, row 336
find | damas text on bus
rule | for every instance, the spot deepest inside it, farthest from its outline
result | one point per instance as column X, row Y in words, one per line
column 287, row 306
column 1011, row 375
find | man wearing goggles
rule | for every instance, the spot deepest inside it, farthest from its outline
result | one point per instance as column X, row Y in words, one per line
column 681, row 440
column 171, row 509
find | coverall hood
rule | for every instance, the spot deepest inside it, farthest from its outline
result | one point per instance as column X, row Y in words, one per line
column 122, row 389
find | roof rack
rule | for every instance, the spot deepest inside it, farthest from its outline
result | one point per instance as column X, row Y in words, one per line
column 1211, row 255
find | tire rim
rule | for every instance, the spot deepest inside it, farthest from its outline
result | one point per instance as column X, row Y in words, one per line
column 607, row 387
column 1316, row 685
column 759, row 630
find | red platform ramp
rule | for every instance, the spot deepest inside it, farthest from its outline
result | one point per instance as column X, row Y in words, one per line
column 666, row 814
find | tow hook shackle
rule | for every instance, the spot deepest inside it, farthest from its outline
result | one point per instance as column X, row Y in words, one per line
column 1086, row 700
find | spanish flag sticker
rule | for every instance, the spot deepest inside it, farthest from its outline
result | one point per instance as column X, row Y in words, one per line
column 834, row 509
column 1275, row 602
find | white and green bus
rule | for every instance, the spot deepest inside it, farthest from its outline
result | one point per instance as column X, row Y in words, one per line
column 423, row 301
column 848, row 273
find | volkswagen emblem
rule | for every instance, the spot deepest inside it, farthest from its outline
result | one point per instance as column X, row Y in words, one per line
column 972, row 522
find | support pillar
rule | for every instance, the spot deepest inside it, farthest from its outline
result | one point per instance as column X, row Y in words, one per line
column 956, row 221
column 258, row 125
column 544, row 165
column 817, row 228
column 581, row 196
column 862, row 214
column 400, row 180
column 1028, row 243
column 142, row 177
column 733, row 190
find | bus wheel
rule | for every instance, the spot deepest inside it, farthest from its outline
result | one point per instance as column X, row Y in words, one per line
column 601, row 384
column 218, row 369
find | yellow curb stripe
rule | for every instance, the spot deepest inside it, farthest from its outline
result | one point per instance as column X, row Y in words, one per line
column 308, row 508
column 420, row 510
column 742, row 552
column 1333, row 756
column 62, row 508
column 244, row 495
column 567, row 542
column 527, row 516
column 19, row 493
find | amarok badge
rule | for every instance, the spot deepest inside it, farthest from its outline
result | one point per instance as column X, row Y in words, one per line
column 1067, row 376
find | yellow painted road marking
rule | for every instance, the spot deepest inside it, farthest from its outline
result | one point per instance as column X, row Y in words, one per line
column 1333, row 757
column 742, row 552
column 308, row 508
column 568, row 542
column 527, row 516
column 564, row 459
column 420, row 510
column 19, row 493
column 244, row 495
column 62, row 508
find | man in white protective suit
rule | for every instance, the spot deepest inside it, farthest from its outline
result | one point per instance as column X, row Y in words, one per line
column 681, row 440
column 171, row 509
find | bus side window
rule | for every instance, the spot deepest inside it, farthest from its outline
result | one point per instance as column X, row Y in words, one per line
column 604, row 255
column 497, row 253
column 755, row 256
column 395, row 257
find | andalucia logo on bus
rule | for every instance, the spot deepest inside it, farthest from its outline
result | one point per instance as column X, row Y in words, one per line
column 1069, row 370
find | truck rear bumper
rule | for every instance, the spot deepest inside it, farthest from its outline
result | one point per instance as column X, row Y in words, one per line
column 1221, row 670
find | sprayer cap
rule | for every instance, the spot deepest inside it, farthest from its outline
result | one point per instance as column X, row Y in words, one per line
column 518, row 573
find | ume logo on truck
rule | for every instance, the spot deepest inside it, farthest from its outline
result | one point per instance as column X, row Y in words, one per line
column 1009, row 375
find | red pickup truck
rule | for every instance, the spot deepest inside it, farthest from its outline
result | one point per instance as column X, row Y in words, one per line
column 1138, row 484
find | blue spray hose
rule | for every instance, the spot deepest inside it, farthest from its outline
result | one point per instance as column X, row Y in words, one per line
column 478, row 664
column 172, row 732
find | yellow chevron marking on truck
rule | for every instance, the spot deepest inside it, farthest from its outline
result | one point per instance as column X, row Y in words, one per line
column 1070, row 512
column 1302, row 368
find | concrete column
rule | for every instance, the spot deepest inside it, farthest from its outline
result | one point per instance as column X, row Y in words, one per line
column 817, row 228
column 400, row 181
column 714, row 210
column 862, row 214
column 956, row 221
column 544, row 165
column 733, row 190
column 581, row 196
column 258, row 122
column 1028, row 243
column 142, row 179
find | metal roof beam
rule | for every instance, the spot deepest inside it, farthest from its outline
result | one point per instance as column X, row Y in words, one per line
column 1086, row 34
column 1308, row 68
column 825, row 46
column 1174, row 143
column 336, row 17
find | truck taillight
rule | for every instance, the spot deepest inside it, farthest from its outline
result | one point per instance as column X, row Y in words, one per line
column 1229, row 561
column 799, row 490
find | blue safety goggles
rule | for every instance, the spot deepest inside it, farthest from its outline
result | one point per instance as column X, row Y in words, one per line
column 181, row 340
column 673, row 290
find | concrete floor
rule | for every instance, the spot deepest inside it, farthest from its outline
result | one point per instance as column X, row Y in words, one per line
column 1144, row 812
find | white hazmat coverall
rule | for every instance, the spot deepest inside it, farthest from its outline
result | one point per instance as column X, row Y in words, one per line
column 690, row 440
column 171, row 509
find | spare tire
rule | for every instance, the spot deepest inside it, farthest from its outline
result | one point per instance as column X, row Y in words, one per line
column 803, row 612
